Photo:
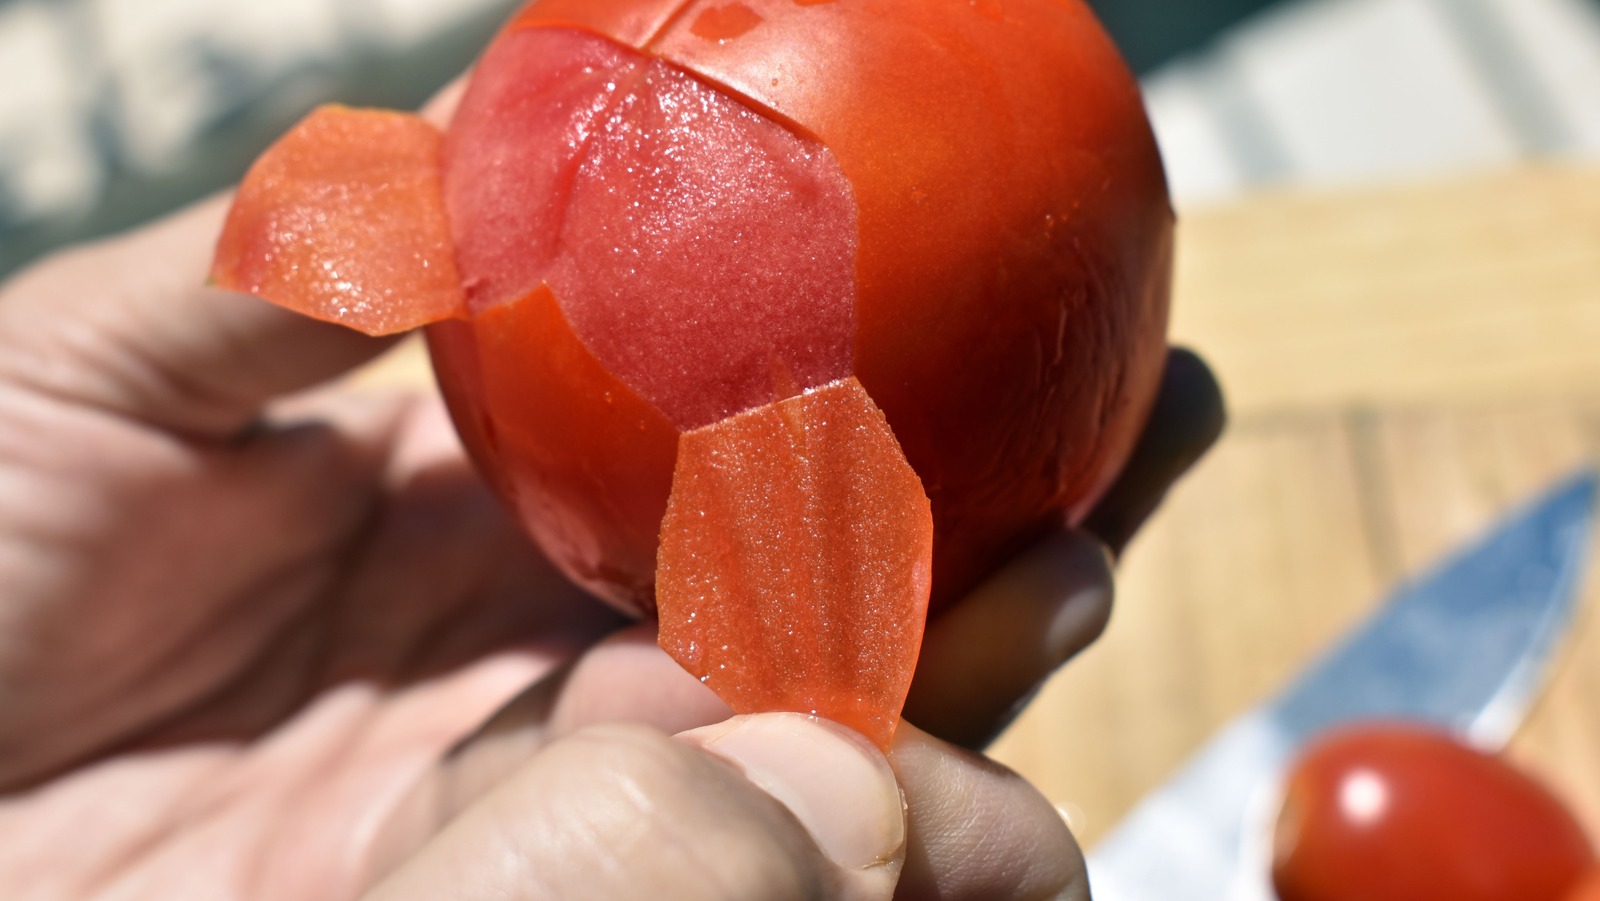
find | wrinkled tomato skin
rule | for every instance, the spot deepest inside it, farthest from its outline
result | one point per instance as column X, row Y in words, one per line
column 1013, row 253
column 1393, row 812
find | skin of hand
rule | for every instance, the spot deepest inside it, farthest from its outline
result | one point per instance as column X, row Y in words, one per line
column 266, row 637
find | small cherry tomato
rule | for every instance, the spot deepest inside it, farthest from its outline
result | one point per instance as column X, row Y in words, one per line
column 1392, row 812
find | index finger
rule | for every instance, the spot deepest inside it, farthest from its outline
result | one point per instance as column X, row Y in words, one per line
column 128, row 325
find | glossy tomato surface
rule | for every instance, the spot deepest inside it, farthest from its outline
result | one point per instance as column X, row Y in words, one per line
column 710, row 206
column 1392, row 812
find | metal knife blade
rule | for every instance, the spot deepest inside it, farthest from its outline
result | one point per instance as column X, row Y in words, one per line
column 1465, row 646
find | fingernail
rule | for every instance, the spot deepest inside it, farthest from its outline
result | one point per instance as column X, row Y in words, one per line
column 834, row 781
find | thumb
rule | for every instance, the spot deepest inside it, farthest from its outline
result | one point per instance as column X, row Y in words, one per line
column 773, row 806
column 836, row 783
column 127, row 326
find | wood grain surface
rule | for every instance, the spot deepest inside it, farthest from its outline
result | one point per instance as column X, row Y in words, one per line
column 1403, row 365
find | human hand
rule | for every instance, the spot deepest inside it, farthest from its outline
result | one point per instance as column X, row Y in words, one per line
column 265, row 639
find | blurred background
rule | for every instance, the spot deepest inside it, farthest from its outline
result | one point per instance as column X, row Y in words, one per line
column 113, row 110
column 1389, row 250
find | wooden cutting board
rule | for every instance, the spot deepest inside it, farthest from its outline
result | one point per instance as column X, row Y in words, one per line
column 1403, row 365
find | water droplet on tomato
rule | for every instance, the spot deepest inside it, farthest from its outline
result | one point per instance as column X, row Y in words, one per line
column 724, row 23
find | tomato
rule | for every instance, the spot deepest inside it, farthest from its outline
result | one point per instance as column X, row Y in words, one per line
column 655, row 228
column 854, row 554
column 1397, row 812
column 959, row 203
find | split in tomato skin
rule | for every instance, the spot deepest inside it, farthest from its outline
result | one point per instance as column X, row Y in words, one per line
column 796, row 560
column 342, row 220
column 1399, row 812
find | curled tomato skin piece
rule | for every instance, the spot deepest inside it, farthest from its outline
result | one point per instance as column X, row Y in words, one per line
column 1398, row 812
column 342, row 219
column 795, row 560
column 701, row 251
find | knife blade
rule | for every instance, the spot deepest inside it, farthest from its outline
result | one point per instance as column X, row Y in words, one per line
column 1465, row 646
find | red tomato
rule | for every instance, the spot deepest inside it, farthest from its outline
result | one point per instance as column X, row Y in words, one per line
column 648, row 216
column 1392, row 812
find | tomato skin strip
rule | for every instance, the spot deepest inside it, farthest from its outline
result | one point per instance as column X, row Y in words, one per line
column 795, row 560
column 342, row 219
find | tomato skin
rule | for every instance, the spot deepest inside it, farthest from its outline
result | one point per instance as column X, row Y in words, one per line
column 1013, row 251
column 830, row 633
column 1399, row 812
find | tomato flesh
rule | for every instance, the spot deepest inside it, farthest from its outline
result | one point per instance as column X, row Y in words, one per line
column 703, row 252
column 1013, row 234
column 795, row 562
column 1393, row 812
